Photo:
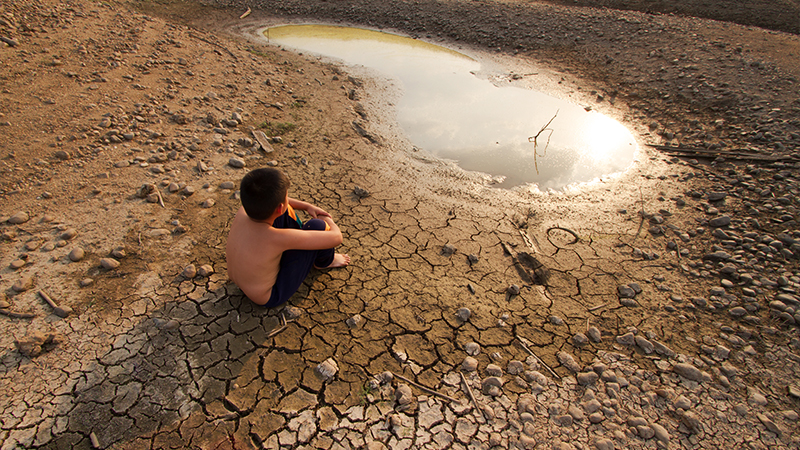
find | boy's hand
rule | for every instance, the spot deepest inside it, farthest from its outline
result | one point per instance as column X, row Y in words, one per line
column 315, row 212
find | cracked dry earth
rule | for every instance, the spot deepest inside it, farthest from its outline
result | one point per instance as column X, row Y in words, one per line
column 673, row 329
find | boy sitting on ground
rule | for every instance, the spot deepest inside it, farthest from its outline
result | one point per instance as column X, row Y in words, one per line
column 270, row 251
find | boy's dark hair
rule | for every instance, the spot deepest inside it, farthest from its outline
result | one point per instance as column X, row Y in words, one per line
column 262, row 190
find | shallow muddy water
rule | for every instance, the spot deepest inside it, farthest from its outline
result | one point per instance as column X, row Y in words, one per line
column 449, row 111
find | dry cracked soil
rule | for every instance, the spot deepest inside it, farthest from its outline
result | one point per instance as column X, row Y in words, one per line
column 658, row 309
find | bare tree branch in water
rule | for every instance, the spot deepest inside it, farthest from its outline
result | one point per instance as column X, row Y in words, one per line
column 535, row 141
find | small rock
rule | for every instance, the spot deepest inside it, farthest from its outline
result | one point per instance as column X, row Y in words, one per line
column 292, row 312
column 594, row 334
column 627, row 339
column 86, row 282
column 492, row 386
column 494, row 370
column 208, row 203
column 76, row 254
column 227, row 185
column 36, row 342
column 23, row 284
column 513, row 289
column 18, row 218
column 580, row 339
column 360, row 192
column 189, row 271
column 463, row 314
column 403, row 394
column 718, row 222
column 625, row 291
column 355, row 322
column 109, row 263
column 68, row 234
column 205, row 270
column 515, row 367
column 470, row 364
column 689, row 371
column 448, row 249
column 661, row 433
column 472, row 348
column 568, row 361
column 327, row 369
column 587, row 378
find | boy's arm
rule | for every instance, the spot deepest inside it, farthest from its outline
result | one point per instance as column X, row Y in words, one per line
column 292, row 239
column 312, row 210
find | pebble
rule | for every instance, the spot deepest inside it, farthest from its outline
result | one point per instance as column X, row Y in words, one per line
column 472, row 348
column 18, row 218
column 594, row 334
column 69, row 234
column 189, row 271
column 76, row 254
column 580, row 339
column 469, row 364
column 463, row 314
column 355, row 322
column 205, row 270
column 625, row 291
column 109, row 263
column 22, row 284
column 689, row 371
column 327, row 369
column 360, row 192
column 568, row 361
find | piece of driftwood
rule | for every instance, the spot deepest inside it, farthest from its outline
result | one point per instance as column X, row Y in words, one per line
column 425, row 389
column 472, row 396
column 595, row 308
column 275, row 332
column 10, row 42
column 16, row 315
column 60, row 311
column 525, row 344
column 263, row 141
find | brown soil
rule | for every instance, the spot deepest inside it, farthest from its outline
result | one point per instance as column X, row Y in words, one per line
column 99, row 99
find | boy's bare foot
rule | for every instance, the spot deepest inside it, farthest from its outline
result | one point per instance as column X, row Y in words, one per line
column 339, row 260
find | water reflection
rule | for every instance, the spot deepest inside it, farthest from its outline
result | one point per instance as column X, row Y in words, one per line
column 453, row 114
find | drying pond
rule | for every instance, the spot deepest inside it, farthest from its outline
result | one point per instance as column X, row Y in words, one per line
column 447, row 110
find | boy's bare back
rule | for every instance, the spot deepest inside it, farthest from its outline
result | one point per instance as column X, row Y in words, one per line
column 253, row 257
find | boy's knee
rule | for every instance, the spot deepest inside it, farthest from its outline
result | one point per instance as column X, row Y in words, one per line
column 316, row 225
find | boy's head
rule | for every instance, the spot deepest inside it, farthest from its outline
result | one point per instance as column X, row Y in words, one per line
column 262, row 191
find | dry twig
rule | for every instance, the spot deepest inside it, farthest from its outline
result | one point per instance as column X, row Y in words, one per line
column 426, row 389
column 472, row 396
column 16, row 315
column 535, row 141
column 530, row 352
column 595, row 308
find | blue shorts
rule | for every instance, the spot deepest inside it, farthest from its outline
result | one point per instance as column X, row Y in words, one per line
column 296, row 264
